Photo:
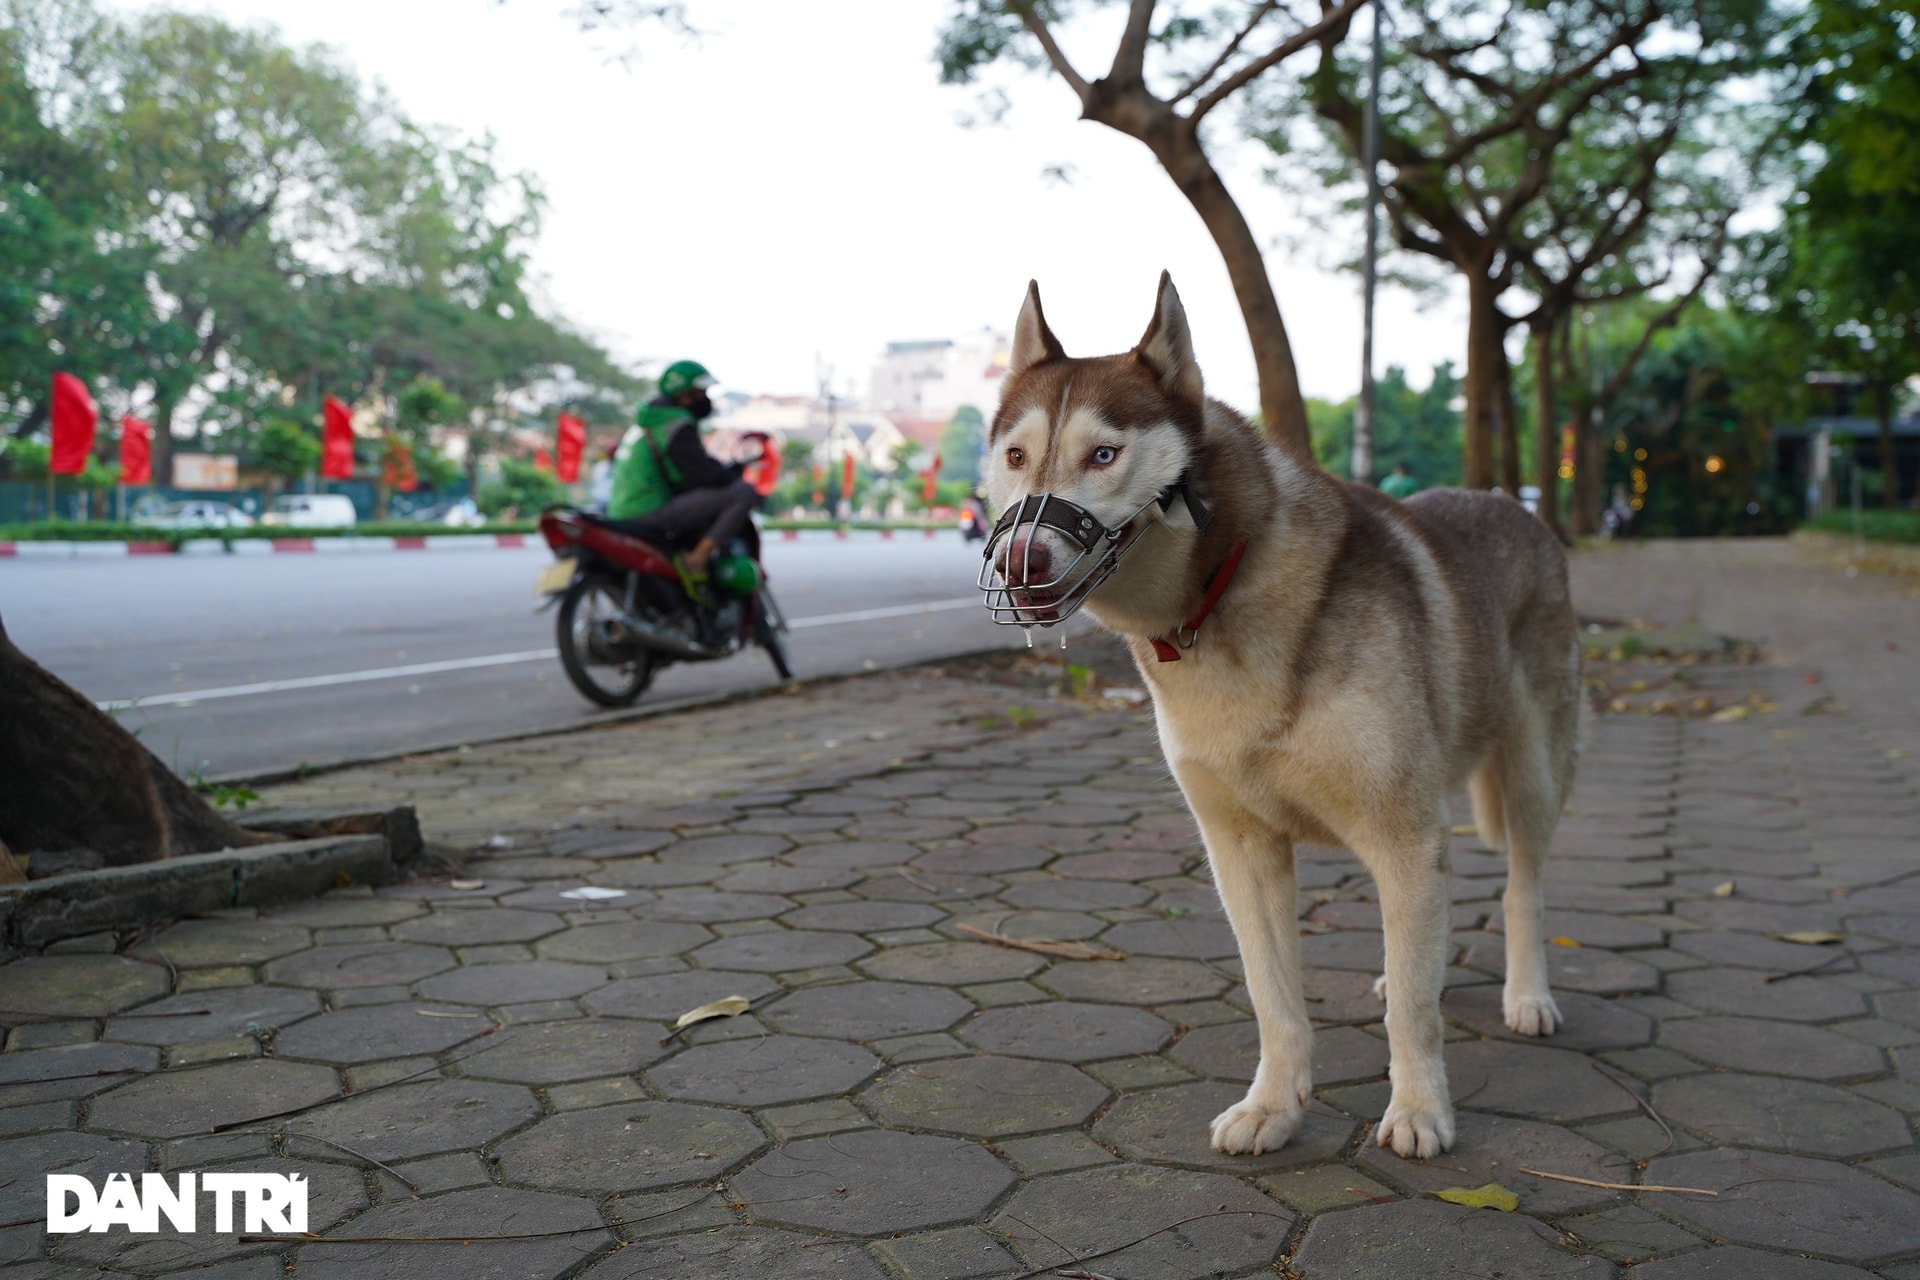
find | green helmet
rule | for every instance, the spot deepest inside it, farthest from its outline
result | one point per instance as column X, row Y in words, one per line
column 736, row 575
column 683, row 376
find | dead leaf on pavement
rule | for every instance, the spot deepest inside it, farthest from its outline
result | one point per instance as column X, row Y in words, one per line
column 1562, row 942
column 1491, row 1196
column 725, row 1007
column 466, row 884
column 1724, row 889
column 1725, row 714
column 1812, row 937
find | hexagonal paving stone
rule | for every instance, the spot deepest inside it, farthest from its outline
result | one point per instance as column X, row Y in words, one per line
column 1750, row 951
column 872, row 1183
column 368, row 1033
column 853, row 854
column 1593, row 969
column 24, row 1199
column 1789, row 1048
column 1075, row 895
column 1173, row 1126
column 735, row 1252
column 1592, row 1022
column 623, row 940
column 867, row 1010
column 555, row 1052
column 79, row 986
column 725, row 850
column 1068, row 1032
column 330, row 911
column 1361, row 949
column 1785, row 1115
column 1231, row 1050
column 359, row 964
column 1530, row 1080
column 1186, row 938
column 863, row 917
column 176, row 1103
column 1130, row 865
column 496, row 984
column 194, row 944
column 1593, row 929
column 986, row 1097
column 479, row 926
column 711, row 906
column 984, row 859
column 473, row 1215
column 1495, row 1149
column 629, row 1148
column 215, row 1014
column 1731, row 1262
column 421, row 1119
column 782, row 879
column 70, row 1070
column 1747, row 992
column 1091, row 1212
column 1141, row 980
column 1902, row 1007
column 665, row 996
column 782, row 950
column 952, row 963
column 1422, row 1239
column 764, row 1070
column 333, row 1192
column 1790, row 1202
column 925, row 886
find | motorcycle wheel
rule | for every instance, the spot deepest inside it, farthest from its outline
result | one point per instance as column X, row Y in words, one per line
column 591, row 604
column 770, row 633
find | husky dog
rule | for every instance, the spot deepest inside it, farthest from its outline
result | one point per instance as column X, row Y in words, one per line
column 1326, row 664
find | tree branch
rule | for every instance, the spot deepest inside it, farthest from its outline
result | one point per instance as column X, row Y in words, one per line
column 1037, row 27
column 1332, row 24
column 1260, row 13
column 1130, row 57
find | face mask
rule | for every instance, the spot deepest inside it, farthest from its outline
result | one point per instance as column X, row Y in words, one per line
column 701, row 407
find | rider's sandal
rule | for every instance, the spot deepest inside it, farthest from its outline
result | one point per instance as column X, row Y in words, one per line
column 694, row 584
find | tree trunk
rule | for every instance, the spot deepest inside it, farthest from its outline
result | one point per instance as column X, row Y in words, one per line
column 1589, row 473
column 1485, row 354
column 162, row 450
column 1283, row 411
column 1546, row 454
column 78, row 781
column 1889, row 465
column 1510, row 464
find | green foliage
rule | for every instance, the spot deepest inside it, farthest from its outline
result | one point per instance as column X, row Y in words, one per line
column 1881, row 526
column 286, row 449
column 25, row 460
column 960, row 445
column 1419, row 428
column 522, row 489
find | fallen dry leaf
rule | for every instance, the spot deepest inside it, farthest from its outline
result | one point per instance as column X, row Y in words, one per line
column 1812, row 937
column 1724, row 889
column 1725, row 714
column 1562, row 942
column 1491, row 1196
column 592, row 893
column 466, row 884
column 725, row 1007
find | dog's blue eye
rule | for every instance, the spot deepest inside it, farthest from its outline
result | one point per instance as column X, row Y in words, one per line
column 1104, row 455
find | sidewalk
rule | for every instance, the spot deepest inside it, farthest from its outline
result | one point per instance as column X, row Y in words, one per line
column 906, row 1099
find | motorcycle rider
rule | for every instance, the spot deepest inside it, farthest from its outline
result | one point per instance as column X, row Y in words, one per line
column 668, row 485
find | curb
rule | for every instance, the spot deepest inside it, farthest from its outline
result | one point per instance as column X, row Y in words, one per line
column 348, row 545
column 42, row 911
column 353, row 544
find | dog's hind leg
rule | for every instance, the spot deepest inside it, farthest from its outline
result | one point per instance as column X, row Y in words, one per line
column 1411, row 876
column 1254, row 872
column 1531, row 796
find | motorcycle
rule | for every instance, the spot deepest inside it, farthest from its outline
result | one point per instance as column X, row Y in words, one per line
column 624, row 614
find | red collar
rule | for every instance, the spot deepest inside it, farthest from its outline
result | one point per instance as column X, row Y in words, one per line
column 1183, row 638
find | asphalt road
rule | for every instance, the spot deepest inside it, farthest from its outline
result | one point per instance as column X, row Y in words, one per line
column 397, row 651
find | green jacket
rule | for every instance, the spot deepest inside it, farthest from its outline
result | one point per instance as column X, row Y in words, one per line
column 1399, row 486
column 644, row 477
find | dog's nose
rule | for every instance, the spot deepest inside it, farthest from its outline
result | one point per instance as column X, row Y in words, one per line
column 1026, row 561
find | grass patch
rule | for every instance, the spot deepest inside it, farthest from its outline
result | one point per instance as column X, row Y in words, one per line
column 115, row 531
column 1878, row 525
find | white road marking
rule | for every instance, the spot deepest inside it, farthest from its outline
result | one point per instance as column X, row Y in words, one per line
column 487, row 660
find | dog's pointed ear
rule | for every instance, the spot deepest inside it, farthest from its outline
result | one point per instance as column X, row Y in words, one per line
column 1033, row 342
column 1167, row 348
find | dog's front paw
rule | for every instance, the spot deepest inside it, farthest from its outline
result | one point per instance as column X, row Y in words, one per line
column 1417, row 1130
column 1535, row 1015
column 1247, row 1128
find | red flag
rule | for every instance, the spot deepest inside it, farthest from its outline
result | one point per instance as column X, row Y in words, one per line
column 542, row 460
column 846, row 477
column 396, row 470
column 74, row 419
column 136, row 451
column 336, row 443
column 932, row 474
column 573, row 443
column 763, row 474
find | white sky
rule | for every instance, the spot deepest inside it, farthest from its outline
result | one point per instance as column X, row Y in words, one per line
column 790, row 186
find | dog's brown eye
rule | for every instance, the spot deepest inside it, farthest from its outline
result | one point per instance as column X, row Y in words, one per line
column 1105, row 455
column 1016, row 457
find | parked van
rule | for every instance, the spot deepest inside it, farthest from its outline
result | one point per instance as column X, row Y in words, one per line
column 311, row 511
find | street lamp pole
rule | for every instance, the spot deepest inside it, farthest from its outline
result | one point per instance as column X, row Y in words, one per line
column 1370, row 160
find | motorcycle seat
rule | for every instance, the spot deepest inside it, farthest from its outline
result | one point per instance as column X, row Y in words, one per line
column 643, row 530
